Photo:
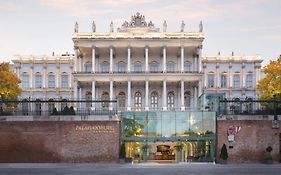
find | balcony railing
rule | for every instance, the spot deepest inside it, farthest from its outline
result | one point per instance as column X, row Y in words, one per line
column 249, row 107
column 134, row 72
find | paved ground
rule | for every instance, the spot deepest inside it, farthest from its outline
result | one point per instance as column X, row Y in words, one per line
column 137, row 169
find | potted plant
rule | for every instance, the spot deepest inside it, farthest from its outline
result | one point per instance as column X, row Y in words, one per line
column 268, row 158
column 224, row 154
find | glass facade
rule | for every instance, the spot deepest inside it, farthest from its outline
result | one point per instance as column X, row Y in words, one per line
column 168, row 136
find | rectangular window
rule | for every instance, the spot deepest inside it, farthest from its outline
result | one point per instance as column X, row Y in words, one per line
column 249, row 81
column 25, row 81
column 211, row 81
column 64, row 81
column 38, row 81
column 236, row 81
column 51, row 81
column 223, row 80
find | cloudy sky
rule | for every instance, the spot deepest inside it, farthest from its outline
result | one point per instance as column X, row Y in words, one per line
column 246, row 27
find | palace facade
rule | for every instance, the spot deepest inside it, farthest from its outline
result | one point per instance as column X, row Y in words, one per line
column 158, row 81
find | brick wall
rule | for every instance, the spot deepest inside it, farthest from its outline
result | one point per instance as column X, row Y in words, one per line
column 250, row 143
column 59, row 141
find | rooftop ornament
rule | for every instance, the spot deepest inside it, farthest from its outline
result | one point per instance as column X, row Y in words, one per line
column 138, row 23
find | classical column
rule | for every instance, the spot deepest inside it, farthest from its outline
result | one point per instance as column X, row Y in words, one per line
column 80, row 97
column 217, row 76
column 195, row 97
column 81, row 64
column 182, row 59
column 182, row 96
column 44, row 76
column 129, row 59
column 194, row 63
column 75, row 59
column 93, row 59
column 199, row 88
column 164, row 95
column 111, row 60
column 70, row 81
column 57, row 75
column 243, row 76
column 164, row 59
column 129, row 96
column 146, row 59
column 230, row 75
column 199, row 53
column 146, row 95
column 111, row 94
column 31, row 77
column 93, row 93
column 75, row 93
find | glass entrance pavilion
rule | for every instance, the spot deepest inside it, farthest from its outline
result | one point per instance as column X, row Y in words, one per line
column 174, row 136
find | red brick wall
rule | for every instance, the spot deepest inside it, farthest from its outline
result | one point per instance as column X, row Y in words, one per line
column 250, row 143
column 59, row 141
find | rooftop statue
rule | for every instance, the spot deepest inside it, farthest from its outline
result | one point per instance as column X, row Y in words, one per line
column 201, row 27
column 93, row 27
column 76, row 26
column 182, row 26
column 111, row 27
column 165, row 26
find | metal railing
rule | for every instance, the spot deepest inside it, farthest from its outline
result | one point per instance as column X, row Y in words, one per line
column 249, row 107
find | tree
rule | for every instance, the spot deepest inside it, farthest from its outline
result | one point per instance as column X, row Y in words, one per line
column 9, row 83
column 271, row 84
column 224, row 154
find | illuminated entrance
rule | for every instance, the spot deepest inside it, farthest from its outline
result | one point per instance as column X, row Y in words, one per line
column 168, row 136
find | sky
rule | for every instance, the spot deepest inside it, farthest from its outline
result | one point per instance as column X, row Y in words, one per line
column 40, row 27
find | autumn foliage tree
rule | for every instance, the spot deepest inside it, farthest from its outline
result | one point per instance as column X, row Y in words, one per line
column 271, row 84
column 9, row 83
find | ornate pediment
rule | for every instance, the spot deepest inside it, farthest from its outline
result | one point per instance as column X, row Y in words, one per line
column 137, row 23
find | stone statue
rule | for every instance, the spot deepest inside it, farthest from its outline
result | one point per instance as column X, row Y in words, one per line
column 111, row 27
column 76, row 26
column 201, row 27
column 165, row 26
column 182, row 26
column 93, row 27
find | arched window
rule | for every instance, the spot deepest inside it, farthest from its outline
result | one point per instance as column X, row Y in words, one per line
column 137, row 67
column 121, row 67
column 51, row 106
column 105, row 100
column 171, row 100
column 25, row 107
column 154, row 100
column 64, row 80
column 38, row 80
column 25, row 80
column 153, row 66
column 138, row 101
column 171, row 66
column 121, row 100
column 187, row 99
column 104, row 67
column 38, row 107
column 187, row 66
column 249, row 105
column 51, row 80
column 88, row 66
